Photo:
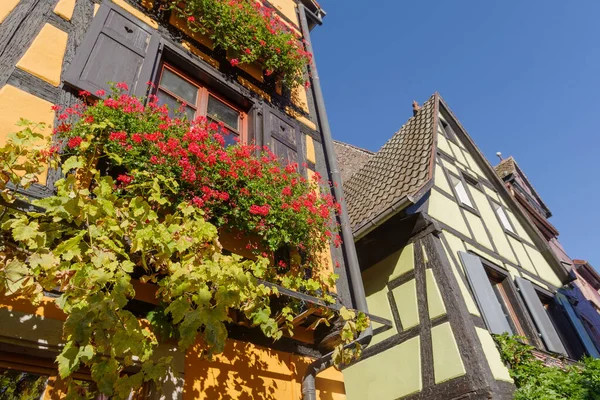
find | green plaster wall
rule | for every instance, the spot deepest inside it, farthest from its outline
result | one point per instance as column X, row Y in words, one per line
column 447, row 211
column 456, row 245
column 499, row 370
column 450, row 167
column 479, row 233
column 441, row 182
column 493, row 225
column 376, row 279
column 542, row 266
column 472, row 249
column 519, row 227
column 443, row 144
column 491, row 193
column 406, row 299
column 524, row 260
column 388, row 375
column 447, row 362
column 434, row 297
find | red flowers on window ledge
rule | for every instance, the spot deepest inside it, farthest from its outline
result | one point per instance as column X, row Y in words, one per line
column 253, row 31
column 240, row 187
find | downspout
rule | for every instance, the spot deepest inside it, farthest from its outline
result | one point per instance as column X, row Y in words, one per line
column 360, row 301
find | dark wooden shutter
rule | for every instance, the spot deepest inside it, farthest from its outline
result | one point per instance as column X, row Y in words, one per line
column 282, row 135
column 587, row 342
column 118, row 47
column 481, row 287
column 540, row 316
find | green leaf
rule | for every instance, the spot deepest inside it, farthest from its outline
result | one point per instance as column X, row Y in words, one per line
column 68, row 360
column 73, row 162
column 105, row 373
column 347, row 314
column 15, row 273
column 178, row 309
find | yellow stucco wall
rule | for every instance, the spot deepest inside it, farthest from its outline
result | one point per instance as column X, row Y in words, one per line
column 15, row 104
column 310, row 150
column 287, row 8
column 6, row 6
column 44, row 58
column 65, row 9
column 492, row 224
column 246, row 371
column 242, row 371
column 371, row 379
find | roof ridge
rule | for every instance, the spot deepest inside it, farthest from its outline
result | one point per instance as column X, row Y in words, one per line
column 354, row 147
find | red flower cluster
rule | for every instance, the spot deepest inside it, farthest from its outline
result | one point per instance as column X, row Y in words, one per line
column 240, row 187
column 74, row 142
column 260, row 210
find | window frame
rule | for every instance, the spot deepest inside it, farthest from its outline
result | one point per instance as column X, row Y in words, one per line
column 202, row 97
column 470, row 207
column 447, row 130
column 512, row 231
column 565, row 329
column 518, row 317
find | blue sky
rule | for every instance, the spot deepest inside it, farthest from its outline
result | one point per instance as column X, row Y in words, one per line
column 522, row 77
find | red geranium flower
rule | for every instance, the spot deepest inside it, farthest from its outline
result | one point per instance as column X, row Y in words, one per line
column 74, row 142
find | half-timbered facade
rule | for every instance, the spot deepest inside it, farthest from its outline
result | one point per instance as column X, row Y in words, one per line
column 580, row 298
column 451, row 258
column 50, row 50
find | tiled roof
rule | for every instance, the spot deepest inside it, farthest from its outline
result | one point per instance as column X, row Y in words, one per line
column 350, row 158
column 510, row 166
column 506, row 167
column 399, row 169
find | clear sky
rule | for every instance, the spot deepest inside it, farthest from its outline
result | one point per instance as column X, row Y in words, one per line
column 523, row 77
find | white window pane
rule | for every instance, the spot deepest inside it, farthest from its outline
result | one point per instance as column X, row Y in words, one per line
column 461, row 191
column 222, row 112
column 504, row 219
column 179, row 86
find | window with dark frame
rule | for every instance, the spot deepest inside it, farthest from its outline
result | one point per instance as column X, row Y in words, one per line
column 448, row 131
column 178, row 91
column 562, row 325
column 461, row 191
column 505, row 295
column 116, row 40
column 503, row 217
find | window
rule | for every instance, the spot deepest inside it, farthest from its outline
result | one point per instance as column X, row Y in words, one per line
column 506, row 297
column 497, row 299
column 503, row 217
column 118, row 47
column 447, row 130
column 461, row 191
column 180, row 92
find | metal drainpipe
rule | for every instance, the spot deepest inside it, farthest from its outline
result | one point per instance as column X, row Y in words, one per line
column 360, row 301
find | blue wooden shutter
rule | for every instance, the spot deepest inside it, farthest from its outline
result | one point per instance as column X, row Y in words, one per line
column 118, row 47
column 540, row 316
column 481, row 287
column 581, row 332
